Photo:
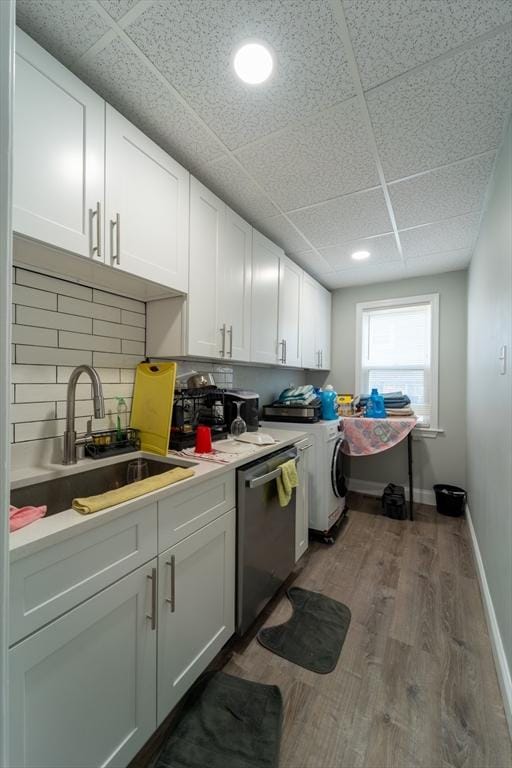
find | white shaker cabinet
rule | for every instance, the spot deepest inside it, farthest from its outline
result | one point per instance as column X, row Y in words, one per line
column 316, row 324
column 289, row 332
column 304, row 448
column 234, row 286
column 196, row 607
column 83, row 688
column 58, row 164
column 147, row 206
column 265, row 299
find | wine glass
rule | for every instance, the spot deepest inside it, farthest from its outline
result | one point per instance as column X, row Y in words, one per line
column 238, row 425
column 136, row 470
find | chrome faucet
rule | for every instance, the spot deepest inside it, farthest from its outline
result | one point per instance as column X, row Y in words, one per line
column 70, row 441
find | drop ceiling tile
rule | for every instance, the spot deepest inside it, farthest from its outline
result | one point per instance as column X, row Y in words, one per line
column 327, row 156
column 436, row 263
column 391, row 37
column 192, row 43
column 278, row 229
column 439, row 194
column 312, row 262
column 364, row 275
column 118, row 75
column 346, row 218
column 449, row 110
column 449, row 235
column 118, row 8
column 228, row 181
column 63, row 28
column 382, row 250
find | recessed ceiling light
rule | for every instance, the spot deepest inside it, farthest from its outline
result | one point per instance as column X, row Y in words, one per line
column 360, row 255
column 253, row 63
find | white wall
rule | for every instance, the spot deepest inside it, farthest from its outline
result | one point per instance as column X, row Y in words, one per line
column 440, row 459
column 490, row 394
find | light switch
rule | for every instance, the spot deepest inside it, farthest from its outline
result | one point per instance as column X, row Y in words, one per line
column 503, row 360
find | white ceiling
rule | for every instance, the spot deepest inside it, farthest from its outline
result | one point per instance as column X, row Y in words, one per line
column 378, row 130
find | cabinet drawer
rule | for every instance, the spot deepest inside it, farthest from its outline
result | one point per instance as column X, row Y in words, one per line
column 50, row 582
column 186, row 512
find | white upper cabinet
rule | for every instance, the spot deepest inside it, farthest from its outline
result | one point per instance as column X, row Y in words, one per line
column 316, row 325
column 265, row 299
column 219, row 302
column 58, row 173
column 290, row 305
column 147, row 206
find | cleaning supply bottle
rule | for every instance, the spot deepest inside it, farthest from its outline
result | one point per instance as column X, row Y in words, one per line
column 329, row 400
column 375, row 406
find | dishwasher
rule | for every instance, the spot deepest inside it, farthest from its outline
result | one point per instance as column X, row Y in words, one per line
column 265, row 536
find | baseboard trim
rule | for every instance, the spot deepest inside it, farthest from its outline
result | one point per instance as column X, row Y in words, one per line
column 500, row 659
column 421, row 495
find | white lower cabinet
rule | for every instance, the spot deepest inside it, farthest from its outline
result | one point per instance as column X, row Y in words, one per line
column 302, row 500
column 196, row 607
column 83, row 688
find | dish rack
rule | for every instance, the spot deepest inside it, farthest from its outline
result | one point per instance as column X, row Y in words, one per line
column 109, row 442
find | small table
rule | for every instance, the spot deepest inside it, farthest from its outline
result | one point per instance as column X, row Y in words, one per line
column 364, row 437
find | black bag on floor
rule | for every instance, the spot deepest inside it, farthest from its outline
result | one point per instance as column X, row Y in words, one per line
column 393, row 502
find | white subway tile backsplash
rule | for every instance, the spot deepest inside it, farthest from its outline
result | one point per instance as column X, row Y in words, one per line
column 52, row 356
column 32, row 412
column 33, row 374
column 44, row 318
column 31, row 297
column 100, row 297
column 58, row 325
column 71, row 340
column 52, row 284
column 117, row 330
column 90, row 309
column 39, row 393
column 26, row 334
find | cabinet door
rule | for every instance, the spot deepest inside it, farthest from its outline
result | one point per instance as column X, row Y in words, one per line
column 302, row 500
column 207, row 214
column 58, row 162
column 324, row 341
column 310, row 322
column 196, row 607
column 265, row 299
column 147, row 198
column 290, row 297
column 83, row 689
column 234, row 294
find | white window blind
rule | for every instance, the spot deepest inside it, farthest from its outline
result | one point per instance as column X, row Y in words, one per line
column 397, row 345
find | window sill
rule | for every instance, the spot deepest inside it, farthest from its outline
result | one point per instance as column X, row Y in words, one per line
column 429, row 432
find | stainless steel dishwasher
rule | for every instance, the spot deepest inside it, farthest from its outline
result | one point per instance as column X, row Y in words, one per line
column 265, row 536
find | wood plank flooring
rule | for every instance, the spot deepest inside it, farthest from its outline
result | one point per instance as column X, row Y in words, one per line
column 415, row 684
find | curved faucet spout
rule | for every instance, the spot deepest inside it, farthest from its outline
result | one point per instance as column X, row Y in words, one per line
column 99, row 408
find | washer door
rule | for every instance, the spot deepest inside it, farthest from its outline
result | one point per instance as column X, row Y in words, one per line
column 339, row 486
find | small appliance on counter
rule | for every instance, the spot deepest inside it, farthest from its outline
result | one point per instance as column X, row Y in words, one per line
column 295, row 404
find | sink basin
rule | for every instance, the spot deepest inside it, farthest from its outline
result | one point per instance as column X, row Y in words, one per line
column 59, row 493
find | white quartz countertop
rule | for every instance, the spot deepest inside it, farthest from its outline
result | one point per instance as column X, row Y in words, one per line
column 62, row 525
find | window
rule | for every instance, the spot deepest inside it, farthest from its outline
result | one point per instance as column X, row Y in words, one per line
column 397, row 350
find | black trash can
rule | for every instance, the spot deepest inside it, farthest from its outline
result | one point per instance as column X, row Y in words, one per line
column 450, row 500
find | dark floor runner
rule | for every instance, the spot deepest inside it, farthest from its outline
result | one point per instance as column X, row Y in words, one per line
column 314, row 636
column 230, row 723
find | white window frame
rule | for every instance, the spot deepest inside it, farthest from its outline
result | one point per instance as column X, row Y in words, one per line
column 407, row 301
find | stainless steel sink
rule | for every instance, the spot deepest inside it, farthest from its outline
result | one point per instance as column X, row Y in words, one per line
column 59, row 493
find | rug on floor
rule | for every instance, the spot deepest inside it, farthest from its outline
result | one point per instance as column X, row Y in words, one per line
column 229, row 723
column 314, row 636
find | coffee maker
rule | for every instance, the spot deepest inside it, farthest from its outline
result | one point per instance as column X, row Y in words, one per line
column 249, row 410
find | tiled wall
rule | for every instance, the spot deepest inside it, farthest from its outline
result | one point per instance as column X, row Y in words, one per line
column 58, row 325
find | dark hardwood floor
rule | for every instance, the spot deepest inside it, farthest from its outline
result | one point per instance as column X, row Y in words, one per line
column 415, row 684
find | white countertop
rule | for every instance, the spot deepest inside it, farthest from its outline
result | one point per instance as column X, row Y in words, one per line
column 55, row 528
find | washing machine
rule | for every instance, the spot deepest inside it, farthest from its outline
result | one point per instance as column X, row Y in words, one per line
column 327, row 488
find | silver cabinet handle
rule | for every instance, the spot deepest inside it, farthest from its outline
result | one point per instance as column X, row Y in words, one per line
column 152, row 615
column 282, row 344
column 115, row 257
column 285, row 351
column 222, row 329
column 321, row 358
column 172, row 599
column 95, row 250
column 264, row 479
column 230, row 331
column 318, row 356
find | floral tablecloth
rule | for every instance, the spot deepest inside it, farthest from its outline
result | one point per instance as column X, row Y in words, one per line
column 366, row 436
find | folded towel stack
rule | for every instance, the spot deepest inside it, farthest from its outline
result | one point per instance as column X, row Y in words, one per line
column 297, row 396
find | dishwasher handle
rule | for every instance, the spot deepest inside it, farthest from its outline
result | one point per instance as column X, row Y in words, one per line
column 264, row 479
